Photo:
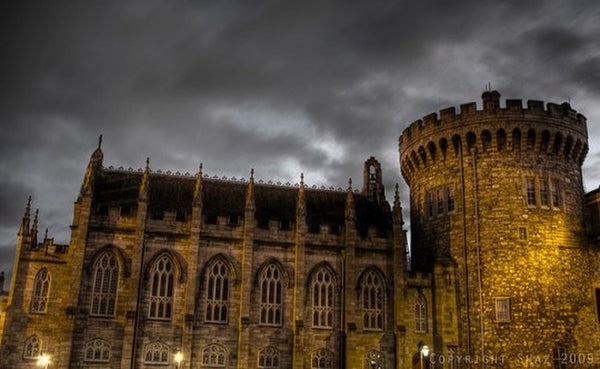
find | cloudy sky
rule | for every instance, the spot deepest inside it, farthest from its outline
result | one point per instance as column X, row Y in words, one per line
column 283, row 87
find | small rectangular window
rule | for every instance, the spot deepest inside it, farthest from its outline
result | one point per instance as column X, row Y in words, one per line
column 522, row 233
column 544, row 195
column 450, row 199
column 502, row 309
column 531, row 201
column 440, row 201
column 555, row 194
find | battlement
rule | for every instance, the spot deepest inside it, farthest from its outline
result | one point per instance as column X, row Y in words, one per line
column 513, row 109
column 556, row 130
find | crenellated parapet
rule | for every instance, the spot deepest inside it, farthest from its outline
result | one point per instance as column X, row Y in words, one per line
column 553, row 129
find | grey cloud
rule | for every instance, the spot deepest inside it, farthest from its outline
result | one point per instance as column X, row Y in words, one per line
column 155, row 78
column 13, row 197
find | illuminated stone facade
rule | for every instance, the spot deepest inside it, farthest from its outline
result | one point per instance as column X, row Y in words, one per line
column 499, row 193
column 231, row 273
column 246, row 274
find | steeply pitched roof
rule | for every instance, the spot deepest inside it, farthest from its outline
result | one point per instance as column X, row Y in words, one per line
column 172, row 193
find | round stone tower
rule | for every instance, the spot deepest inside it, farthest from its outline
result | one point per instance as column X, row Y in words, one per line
column 499, row 192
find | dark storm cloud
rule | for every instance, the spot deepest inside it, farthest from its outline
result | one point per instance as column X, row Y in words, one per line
column 13, row 197
column 282, row 87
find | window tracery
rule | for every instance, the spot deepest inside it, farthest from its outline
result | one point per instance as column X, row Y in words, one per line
column 41, row 288
column 271, row 291
column 161, row 296
column 217, row 292
column 105, row 282
column 372, row 296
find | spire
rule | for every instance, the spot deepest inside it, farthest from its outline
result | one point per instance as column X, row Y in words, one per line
column 198, row 188
column 250, row 205
column 24, row 229
column 34, row 230
column 94, row 165
column 397, row 211
column 144, row 186
column 301, row 202
column 350, row 210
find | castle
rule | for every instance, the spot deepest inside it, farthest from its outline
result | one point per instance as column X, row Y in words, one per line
column 171, row 270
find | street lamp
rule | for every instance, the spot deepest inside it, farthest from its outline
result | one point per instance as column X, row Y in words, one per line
column 424, row 351
column 43, row 361
column 178, row 358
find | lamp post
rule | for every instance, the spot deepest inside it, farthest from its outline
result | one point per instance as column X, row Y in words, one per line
column 178, row 358
column 424, row 352
column 43, row 361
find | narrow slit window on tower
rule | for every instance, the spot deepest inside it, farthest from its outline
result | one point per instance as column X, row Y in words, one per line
column 450, row 198
column 531, row 201
column 430, row 204
column 440, row 201
column 544, row 195
column 555, row 193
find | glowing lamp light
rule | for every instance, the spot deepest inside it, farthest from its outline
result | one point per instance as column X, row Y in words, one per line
column 424, row 352
column 178, row 358
column 43, row 361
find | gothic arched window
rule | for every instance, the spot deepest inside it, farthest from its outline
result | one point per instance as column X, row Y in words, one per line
column 271, row 299
column 217, row 292
column 372, row 296
column 214, row 356
column 374, row 360
column 322, row 359
column 420, row 314
column 41, row 288
column 322, row 289
column 32, row 347
column 156, row 353
column 268, row 358
column 161, row 292
column 97, row 350
column 104, row 289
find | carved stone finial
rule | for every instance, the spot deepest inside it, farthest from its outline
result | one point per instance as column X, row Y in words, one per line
column 24, row 228
column 349, row 184
column 144, row 185
column 302, row 179
column 198, row 188
column 250, row 206
column 28, row 207
column 35, row 218
column 34, row 229
column 100, row 142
